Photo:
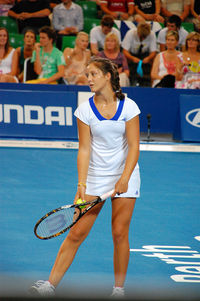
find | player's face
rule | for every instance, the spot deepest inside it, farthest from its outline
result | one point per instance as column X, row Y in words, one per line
column 29, row 38
column 171, row 42
column 96, row 79
column 3, row 37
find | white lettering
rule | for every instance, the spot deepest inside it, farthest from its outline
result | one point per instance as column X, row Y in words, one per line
column 17, row 108
column 49, row 117
column 161, row 255
column 185, row 278
column 28, row 116
column 192, row 269
column 172, row 261
column 68, row 116
column 37, row 115
column 155, row 248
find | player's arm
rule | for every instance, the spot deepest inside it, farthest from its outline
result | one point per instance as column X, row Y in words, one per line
column 133, row 140
column 83, row 157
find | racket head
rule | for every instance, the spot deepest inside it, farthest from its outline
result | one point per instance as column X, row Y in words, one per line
column 56, row 222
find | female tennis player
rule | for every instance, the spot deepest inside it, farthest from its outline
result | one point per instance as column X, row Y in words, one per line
column 108, row 127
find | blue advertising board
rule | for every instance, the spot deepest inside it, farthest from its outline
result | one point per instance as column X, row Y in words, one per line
column 37, row 114
column 190, row 117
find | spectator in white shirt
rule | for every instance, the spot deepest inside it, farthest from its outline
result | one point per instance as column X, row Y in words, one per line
column 98, row 34
column 174, row 24
column 139, row 46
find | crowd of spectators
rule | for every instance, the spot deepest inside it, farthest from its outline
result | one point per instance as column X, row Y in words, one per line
column 168, row 58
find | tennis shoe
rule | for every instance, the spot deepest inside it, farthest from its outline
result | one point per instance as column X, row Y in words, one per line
column 42, row 288
column 118, row 292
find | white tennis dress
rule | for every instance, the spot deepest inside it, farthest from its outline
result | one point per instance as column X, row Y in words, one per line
column 109, row 147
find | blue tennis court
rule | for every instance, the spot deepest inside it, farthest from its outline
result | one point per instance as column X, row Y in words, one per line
column 164, row 236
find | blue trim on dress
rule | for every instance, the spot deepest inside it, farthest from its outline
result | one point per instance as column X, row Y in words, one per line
column 99, row 116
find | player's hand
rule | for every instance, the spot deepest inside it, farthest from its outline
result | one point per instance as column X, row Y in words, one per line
column 120, row 187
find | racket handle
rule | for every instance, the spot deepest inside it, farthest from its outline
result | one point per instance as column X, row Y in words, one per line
column 107, row 195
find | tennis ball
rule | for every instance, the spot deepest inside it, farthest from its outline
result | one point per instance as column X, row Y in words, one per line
column 80, row 201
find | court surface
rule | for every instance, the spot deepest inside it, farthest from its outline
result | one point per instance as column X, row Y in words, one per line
column 164, row 232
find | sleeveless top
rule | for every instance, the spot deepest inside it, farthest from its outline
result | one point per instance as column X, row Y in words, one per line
column 6, row 63
column 165, row 67
column 75, row 69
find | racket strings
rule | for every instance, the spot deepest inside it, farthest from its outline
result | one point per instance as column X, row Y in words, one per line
column 57, row 222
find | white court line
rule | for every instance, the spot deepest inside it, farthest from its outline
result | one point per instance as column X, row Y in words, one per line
column 74, row 145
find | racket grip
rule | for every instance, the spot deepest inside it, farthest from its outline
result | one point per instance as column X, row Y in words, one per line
column 107, row 195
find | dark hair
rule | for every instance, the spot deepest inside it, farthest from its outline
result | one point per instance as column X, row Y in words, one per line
column 49, row 31
column 107, row 66
column 108, row 21
column 7, row 46
column 175, row 19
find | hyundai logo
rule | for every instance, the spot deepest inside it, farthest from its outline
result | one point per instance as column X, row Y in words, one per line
column 193, row 117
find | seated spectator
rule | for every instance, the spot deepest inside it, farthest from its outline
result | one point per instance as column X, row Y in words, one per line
column 5, row 5
column 31, row 14
column 180, row 8
column 48, row 60
column 76, row 60
column 148, row 10
column 139, row 47
column 174, row 24
column 195, row 11
column 67, row 19
column 7, row 68
column 166, row 63
column 118, row 9
column 112, row 52
column 25, row 51
column 189, row 73
column 98, row 34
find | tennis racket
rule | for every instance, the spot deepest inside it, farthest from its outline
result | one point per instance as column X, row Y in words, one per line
column 59, row 220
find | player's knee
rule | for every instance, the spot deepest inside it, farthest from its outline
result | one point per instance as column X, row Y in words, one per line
column 76, row 236
column 119, row 234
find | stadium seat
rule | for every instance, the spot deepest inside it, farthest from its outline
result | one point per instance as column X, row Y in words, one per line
column 68, row 41
column 16, row 39
column 29, row 72
column 89, row 23
column 89, row 8
column 188, row 26
column 9, row 23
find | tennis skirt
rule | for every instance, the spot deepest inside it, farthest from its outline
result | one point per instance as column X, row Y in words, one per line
column 98, row 185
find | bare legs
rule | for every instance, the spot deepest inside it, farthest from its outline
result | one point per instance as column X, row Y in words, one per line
column 71, row 244
column 122, row 210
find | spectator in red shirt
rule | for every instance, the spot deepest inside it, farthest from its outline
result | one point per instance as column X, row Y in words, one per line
column 119, row 9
